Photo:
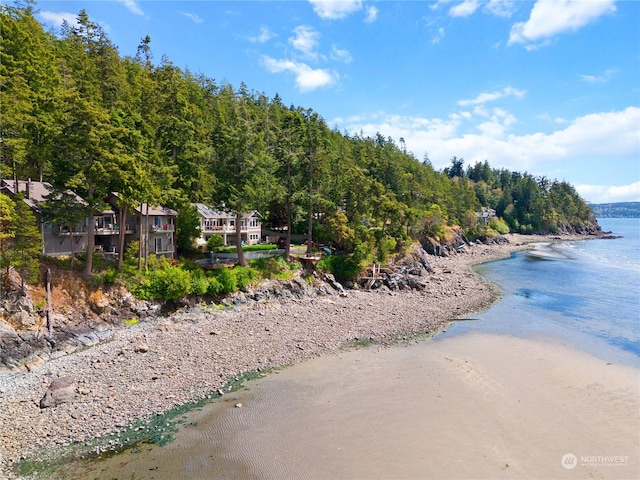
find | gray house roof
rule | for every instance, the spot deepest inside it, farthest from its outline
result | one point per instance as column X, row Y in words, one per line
column 35, row 192
column 210, row 213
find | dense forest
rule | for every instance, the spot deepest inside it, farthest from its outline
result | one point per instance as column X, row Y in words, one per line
column 77, row 114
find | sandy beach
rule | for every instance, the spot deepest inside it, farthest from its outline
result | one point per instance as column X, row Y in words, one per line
column 481, row 406
column 194, row 352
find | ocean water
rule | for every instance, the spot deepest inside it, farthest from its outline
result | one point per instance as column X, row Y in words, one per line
column 586, row 293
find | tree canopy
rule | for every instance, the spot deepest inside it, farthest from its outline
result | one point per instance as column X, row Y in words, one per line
column 77, row 114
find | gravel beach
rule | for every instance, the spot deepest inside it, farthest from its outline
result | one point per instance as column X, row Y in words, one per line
column 157, row 364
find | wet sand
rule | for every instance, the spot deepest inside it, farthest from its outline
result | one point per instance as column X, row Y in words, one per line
column 471, row 406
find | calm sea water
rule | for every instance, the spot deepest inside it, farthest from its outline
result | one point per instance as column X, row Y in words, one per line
column 585, row 292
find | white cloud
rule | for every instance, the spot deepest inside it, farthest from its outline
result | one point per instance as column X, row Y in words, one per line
column 132, row 6
column 601, row 134
column 341, row 55
column 610, row 193
column 439, row 35
column 372, row 14
column 264, row 36
column 550, row 18
column 500, row 8
column 57, row 18
column 493, row 96
column 335, row 9
column 464, row 9
column 305, row 40
column 307, row 78
column 192, row 16
column 602, row 78
column 436, row 5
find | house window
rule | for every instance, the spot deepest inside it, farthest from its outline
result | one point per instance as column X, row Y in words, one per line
column 158, row 244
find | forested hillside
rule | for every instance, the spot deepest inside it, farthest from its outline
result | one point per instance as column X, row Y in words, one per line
column 616, row 210
column 78, row 115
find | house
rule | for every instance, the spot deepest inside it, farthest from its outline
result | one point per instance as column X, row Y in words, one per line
column 223, row 223
column 485, row 215
column 159, row 237
column 154, row 227
column 56, row 239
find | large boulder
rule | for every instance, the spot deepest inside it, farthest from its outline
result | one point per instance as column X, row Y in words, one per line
column 60, row 391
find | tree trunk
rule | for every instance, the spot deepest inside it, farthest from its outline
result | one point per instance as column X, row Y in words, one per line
column 73, row 250
column 287, row 248
column 310, row 219
column 49, row 312
column 122, row 230
column 146, row 236
column 140, row 236
column 91, row 241
column 241, row 260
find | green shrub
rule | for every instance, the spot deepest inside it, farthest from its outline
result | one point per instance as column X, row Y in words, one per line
column 343, row 267
column 384, row 246
column 110, row 276
column 215, row 287
column 199, row 284
column 132, row 251
column 499, row 225
column 214, row 242
column 273, row 267
column 227, row 279
column 169, row 283
column 244, row 276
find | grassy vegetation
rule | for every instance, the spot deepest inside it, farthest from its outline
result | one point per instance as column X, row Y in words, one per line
column 250, row 248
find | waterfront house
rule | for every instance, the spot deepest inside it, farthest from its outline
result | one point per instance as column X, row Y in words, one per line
column 56, row 239
column 223, row 223
column 485, row 215
column 153, row 226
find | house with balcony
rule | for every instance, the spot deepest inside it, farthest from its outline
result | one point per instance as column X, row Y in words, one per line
column 153, row 226
column 485, row 215
column 57, row 240
column 223, row 223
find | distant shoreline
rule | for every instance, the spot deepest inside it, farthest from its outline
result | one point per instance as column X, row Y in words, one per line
column 193, row 353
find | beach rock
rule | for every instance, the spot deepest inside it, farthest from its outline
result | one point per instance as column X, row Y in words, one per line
column 141, row 348
column 416, row 284
column 333, row 283
column 61, row 390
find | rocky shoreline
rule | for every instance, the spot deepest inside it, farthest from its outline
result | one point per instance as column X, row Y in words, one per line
column 148, row 368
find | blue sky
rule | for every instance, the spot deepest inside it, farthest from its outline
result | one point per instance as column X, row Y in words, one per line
column 547, row 87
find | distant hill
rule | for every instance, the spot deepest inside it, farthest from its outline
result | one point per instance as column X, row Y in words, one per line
column 616, row 210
